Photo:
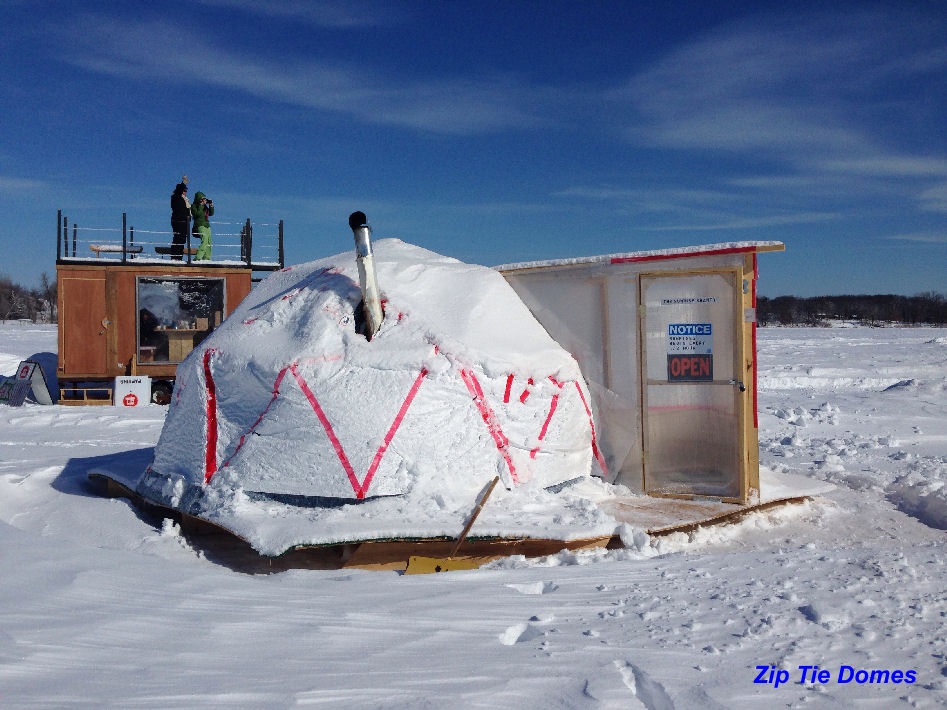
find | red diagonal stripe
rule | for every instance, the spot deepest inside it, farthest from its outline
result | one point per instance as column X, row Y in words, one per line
column 210, row 453
column 509, row 385
column 490, row 419
column 595, row 450
column 552, row 410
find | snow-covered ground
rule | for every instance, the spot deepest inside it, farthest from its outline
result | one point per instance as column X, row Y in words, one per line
column 100, row 607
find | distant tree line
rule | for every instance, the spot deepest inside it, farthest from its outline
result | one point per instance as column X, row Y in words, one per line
column 924, row 309
column 19, row 303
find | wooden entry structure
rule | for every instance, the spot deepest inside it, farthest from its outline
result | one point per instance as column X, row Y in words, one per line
column 666, row 341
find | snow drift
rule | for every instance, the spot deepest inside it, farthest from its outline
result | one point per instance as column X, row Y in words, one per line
column 287, row 404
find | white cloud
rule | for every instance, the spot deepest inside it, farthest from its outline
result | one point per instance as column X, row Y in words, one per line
column 800, row 89
column 934, row 199
column 923, row 237
column 755, row 86
column 159, row 51
column 9, row 184
column 325, row 13
column 746, row 222
column 890, row 166
column 657, row 198
column 696, row 209
column 807, row 110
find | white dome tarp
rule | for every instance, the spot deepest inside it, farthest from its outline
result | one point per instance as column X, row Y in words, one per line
column 290, row 428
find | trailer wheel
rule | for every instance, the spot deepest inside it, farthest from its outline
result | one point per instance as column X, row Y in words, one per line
column 161, row 393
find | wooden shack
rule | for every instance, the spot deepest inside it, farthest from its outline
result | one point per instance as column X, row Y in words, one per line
column 123, row 311
column 666, row 341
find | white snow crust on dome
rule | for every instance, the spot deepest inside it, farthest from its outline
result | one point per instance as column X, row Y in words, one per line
column 289, row 427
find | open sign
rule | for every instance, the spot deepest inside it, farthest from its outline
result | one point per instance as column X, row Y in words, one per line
column 690, row 368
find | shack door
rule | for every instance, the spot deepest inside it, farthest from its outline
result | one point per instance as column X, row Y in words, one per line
column 691, row 405
column 83, row 328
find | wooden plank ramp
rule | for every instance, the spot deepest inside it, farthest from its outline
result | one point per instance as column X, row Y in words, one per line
column 663, row 516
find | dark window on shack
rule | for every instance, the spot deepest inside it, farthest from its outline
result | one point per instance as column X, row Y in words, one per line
column 175, row 315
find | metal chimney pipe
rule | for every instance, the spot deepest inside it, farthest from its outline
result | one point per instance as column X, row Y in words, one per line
column 367, row 280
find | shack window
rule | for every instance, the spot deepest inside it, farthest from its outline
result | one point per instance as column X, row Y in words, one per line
column 175, row 315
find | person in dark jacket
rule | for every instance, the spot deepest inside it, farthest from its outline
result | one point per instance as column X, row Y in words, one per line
column 180, row 216
column 200, row 211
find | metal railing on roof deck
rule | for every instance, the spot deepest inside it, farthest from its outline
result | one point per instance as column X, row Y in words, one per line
column 256, row 245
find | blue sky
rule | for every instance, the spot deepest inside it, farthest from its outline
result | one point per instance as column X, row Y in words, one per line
column 492, row 131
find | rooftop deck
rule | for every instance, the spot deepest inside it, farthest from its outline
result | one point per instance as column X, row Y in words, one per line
column 252, row 245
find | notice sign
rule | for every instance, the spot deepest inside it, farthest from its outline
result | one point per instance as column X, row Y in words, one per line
column 690, row 352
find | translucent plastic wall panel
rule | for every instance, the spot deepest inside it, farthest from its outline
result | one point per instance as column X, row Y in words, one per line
column 570, row 308
column 620, row 405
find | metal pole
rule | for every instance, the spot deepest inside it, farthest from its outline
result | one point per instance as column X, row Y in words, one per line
column 282, row 258
column 58, row 235
column 368, row 281
column 124, row 235
column 247, row 244
column 74, row 230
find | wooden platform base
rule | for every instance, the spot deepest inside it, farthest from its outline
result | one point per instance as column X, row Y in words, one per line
column 231, row 549
column 224, row 546
column 85, row 396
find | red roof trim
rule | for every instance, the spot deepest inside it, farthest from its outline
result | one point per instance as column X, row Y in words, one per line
column 682, row 255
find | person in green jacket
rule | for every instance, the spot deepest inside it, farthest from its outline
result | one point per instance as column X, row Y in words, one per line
column 201, row 209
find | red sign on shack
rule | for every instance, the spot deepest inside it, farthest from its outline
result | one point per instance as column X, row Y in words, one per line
column 690, row 368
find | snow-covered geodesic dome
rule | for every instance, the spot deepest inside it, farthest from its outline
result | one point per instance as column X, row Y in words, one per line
column 287, row 404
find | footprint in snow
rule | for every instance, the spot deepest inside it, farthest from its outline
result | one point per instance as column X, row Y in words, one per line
column 648, row 693
column 534, row 587
column 828, row 618
column 521, row 633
